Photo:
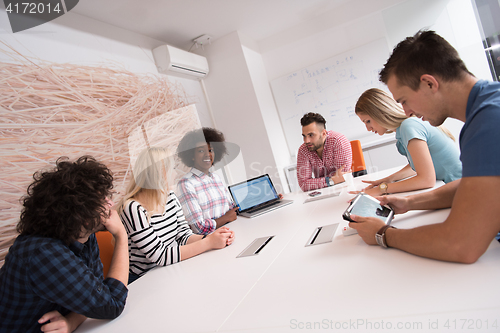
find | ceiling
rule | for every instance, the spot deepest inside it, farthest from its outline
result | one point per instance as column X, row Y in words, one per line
column 178, row 22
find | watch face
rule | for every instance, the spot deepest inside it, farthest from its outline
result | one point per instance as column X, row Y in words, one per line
column 380, row 239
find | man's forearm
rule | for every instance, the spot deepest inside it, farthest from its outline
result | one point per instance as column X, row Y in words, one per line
column 118, row 268
column 439, row 198
column 422, row 241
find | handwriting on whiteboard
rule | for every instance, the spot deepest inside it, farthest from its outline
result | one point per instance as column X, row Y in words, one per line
column 330, row 88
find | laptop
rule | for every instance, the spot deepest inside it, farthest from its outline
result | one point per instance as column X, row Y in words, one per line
column 256, row 196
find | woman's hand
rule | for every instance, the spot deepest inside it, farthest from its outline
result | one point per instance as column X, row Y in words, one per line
column 231, row 214
column 220, row 238
column 230, row 239
column 373, row 188
column 374, row 183
column 373, row 191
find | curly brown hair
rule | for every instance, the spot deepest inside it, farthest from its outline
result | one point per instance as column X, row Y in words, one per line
column 67, row 199
column 187, row 145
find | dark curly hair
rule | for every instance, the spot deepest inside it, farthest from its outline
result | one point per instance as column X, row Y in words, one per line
column 187, row 145
column 312, row 117
column 62, row 202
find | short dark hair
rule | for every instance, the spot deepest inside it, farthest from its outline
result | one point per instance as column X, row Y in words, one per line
column 63, row 201
column 312, row 117
column 424, row 53
column 187, row 145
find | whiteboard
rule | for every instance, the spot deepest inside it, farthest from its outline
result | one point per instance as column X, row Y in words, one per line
column 330, row 88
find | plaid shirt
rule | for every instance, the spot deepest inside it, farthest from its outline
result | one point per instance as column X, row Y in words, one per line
column 204, row 199
column 43, row 274
column 336, row 152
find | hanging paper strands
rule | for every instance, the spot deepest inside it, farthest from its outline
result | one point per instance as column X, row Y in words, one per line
column 51, row 110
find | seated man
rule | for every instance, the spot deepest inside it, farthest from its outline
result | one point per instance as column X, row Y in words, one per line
column 52, row 277
column 426, row 75
column 326, row 154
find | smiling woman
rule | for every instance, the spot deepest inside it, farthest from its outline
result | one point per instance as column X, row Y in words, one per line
column 430, row 151
column 204, row 198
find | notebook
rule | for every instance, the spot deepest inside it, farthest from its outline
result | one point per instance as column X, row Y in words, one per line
column 256, row 196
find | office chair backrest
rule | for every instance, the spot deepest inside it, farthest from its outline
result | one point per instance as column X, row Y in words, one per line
column 106, row 249
column 358, row 160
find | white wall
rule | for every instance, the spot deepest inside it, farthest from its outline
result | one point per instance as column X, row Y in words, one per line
column 267, row 107
column 240, row 107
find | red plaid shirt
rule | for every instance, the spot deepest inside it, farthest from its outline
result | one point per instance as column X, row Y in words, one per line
column 336, row 153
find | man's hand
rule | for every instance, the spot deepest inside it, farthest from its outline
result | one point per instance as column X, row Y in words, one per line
column 399, row 204
column 367, row 227
column 338, row 177
column 114, row 225
column 57, row 323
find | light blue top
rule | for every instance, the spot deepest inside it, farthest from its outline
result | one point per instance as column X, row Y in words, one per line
column 444, row 153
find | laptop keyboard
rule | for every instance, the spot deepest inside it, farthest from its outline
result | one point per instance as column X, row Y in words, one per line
column 261, row 207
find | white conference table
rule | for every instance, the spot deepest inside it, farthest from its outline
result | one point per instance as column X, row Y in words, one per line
column 344, row 285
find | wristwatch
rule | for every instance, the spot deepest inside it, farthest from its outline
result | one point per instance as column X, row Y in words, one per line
column 380, row 236
column 383, row 188
column 329, row 181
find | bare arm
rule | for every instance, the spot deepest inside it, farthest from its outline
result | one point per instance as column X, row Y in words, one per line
column 439, row 198
column 406, row 172
column 196, row 244
column 425, row 176
column 463, row 237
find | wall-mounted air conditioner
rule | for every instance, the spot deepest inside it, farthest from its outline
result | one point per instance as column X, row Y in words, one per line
column 173, row 61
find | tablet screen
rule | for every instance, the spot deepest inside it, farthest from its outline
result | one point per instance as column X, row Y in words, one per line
column 367, row 206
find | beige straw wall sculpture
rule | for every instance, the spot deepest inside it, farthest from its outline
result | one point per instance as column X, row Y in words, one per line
column 51, row 110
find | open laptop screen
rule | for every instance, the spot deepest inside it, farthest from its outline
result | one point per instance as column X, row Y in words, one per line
column 253, row 192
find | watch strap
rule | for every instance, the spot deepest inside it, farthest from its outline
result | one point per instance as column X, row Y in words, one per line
column 380, row 236
column 383, row 187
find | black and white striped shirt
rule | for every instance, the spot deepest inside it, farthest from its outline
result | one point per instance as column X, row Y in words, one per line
column 156, row 243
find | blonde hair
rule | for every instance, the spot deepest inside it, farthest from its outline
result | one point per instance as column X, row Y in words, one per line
column 383, row 109
column 150, row 180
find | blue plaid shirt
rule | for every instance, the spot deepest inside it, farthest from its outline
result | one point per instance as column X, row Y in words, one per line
column 43, row 274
